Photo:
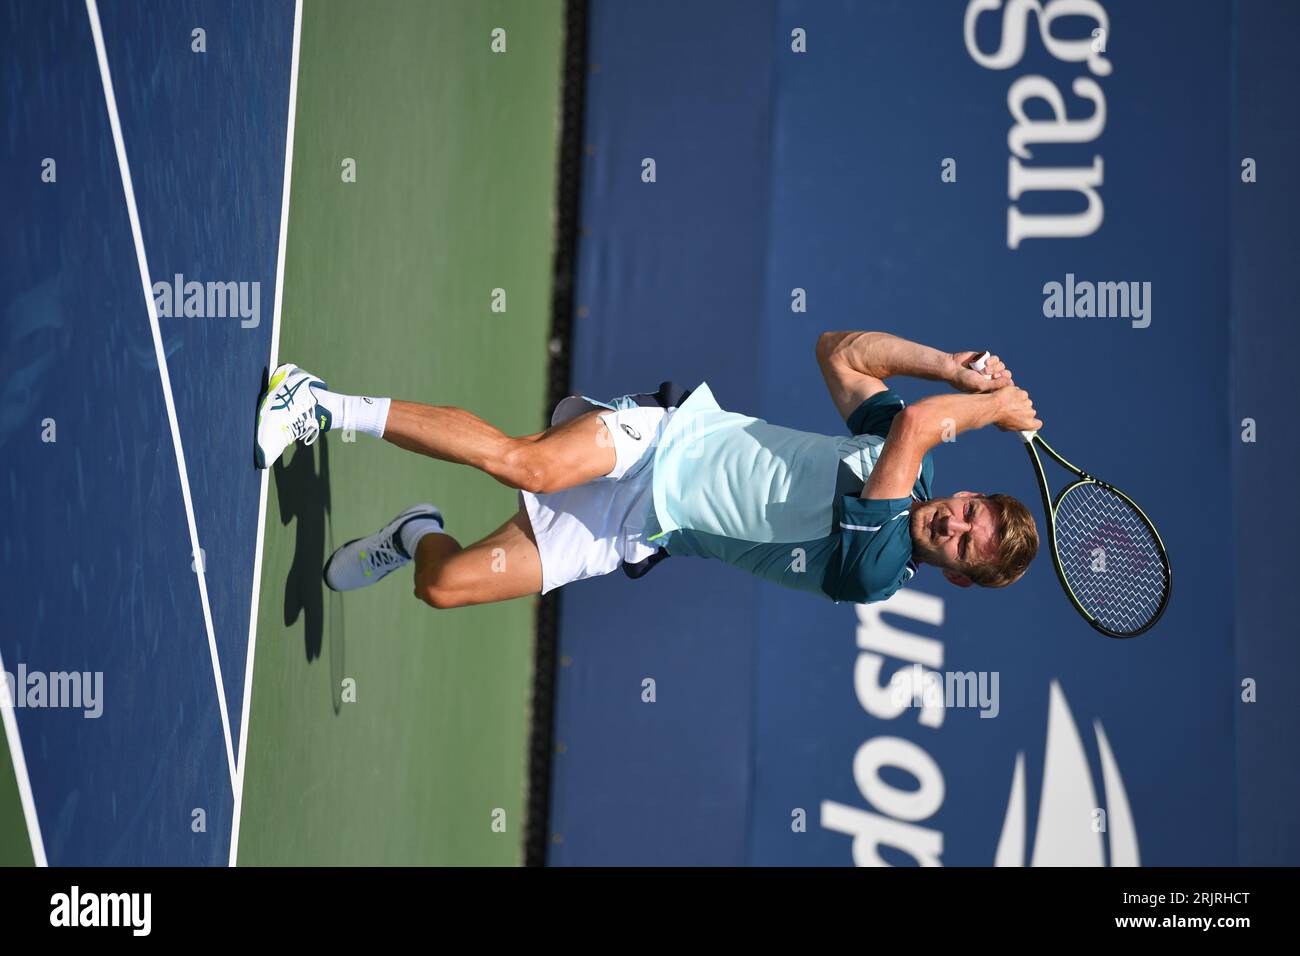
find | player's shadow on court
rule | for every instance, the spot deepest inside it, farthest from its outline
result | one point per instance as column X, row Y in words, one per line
column 302, row 488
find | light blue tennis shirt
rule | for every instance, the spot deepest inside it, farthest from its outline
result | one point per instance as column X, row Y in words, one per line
column 784, row 504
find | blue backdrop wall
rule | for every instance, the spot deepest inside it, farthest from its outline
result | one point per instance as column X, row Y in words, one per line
column 798, row 149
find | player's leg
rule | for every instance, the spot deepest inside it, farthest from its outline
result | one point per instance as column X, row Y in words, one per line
column 581, row 530
column 298, row 405
column 502, row 566
column 564, row 455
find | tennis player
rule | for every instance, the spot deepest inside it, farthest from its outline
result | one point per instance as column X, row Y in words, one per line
column 630, row 482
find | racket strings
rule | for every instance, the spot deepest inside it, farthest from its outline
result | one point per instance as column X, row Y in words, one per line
column 1110, row 558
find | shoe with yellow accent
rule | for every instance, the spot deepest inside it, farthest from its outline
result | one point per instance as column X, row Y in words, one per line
column 366, row 560
column 289, row 411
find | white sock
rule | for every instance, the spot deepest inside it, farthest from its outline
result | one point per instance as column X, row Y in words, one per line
column 356, row 412
column 413, row 531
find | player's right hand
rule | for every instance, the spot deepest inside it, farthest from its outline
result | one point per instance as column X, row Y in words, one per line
column 993, row 376
column 1015, row 410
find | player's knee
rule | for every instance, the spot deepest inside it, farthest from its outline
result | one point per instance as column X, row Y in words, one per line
column 438, row 595
column 525, row 466
column 433, row 587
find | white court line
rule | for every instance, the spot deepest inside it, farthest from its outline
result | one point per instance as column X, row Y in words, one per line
column 20, row 768
column 200, row 572
column 261, row 502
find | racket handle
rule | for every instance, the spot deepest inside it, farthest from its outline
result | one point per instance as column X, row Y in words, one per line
column 978, row 365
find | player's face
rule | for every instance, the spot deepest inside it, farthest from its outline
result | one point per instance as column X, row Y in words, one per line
column 954, row 533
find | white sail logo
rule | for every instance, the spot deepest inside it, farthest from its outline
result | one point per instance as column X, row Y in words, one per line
column 1066, row 834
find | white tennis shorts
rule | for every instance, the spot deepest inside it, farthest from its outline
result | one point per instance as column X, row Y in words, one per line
column 591, row 529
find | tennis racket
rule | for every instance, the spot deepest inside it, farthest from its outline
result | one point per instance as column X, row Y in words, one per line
column 1107, row 553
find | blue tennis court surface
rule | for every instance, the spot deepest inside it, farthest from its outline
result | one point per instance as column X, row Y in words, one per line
column 96, row 530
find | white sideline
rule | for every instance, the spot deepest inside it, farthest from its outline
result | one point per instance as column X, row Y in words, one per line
column 200, row 573
column 20, row 769
column 261, row 503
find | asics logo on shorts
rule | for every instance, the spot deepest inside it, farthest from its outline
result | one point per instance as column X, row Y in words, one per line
column 635, row 435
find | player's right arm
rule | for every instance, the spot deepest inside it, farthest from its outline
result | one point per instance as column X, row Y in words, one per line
column 856, row 364
column 918, row 428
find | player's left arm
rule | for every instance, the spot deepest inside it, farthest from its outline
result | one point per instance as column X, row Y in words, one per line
column 918, row 428
column 856, row 364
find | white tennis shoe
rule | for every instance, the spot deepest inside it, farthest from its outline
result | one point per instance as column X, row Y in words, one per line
column 364, row 561
column 289, row 411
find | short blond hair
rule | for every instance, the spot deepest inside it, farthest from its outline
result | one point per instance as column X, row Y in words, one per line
column 1017, row 544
